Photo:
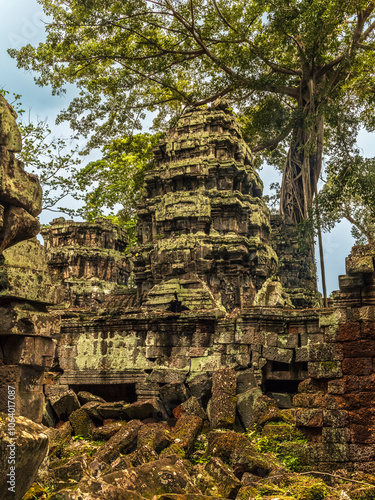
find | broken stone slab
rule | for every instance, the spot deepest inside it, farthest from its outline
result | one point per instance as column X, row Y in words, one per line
column 86, row 397
column 92, row 410
column 247, row 460
column 246, row 492
column 81, row 423
column 143, row 455
column 172, row 395
column 223, row 402
column 20, row 455
column 151, row 408
column 73, row 469
column 265, row 410
column 245, row 405
column 64, row 404
column 283, row 400
column 167, row 475
column 154, row 435
column 105, row 432
column 109, row 410
column 190, row 407
column 227, row 483
column 122, row 462
column 96, row 489
column 222, row 444
column 186, row 432
column 122, row 442
column 58, row 438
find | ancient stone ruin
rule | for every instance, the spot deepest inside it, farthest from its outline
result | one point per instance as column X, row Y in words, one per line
column 27, row 328
column 213, row 321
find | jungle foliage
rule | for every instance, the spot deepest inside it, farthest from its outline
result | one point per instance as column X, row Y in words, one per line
column 299, row 72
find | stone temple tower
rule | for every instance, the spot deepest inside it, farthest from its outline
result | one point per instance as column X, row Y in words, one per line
column 203, row 226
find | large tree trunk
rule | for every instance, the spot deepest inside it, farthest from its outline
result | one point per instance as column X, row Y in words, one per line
column 304, row 160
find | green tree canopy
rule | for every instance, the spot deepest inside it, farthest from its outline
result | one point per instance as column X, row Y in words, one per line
column 295, row 69
column 114, row 182
column 349, row 192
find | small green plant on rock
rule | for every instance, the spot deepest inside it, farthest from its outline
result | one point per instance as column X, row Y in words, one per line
column 286, row 444
column 39, row 491
column 200, row 455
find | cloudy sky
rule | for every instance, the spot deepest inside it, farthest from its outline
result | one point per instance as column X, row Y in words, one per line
column 22, row 22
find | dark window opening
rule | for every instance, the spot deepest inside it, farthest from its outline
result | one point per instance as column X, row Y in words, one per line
column 109, row 392
column 277, row 366
column 288, row 386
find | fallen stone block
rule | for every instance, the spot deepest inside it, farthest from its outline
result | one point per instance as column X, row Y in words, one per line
column 222, row 444
column 162, row 476
column 223, row 403
column 172, row 395
column 246, row 404
column 186, row 432
column 122, row 442
column 64, row 404
column 154, row 435
column 201, row 388
column 81, row 423
column 105, row 432
column 151, row 408
column 110, row 410
column 227, row 483
column 96, row 489
column 86, row 397
column 20, row 455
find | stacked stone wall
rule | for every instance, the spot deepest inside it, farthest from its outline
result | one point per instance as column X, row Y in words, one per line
column 127, row 345
column 26, row 289
column 336, row 404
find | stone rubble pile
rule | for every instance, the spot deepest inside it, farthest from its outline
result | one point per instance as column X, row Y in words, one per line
column 142, row 450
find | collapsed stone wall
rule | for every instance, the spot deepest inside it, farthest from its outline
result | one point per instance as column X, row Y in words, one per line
column 207, row 297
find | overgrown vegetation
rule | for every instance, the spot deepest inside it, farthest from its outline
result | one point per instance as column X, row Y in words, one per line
column 301, row 73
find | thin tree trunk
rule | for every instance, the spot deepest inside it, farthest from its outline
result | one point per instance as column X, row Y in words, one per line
column 321, row 256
